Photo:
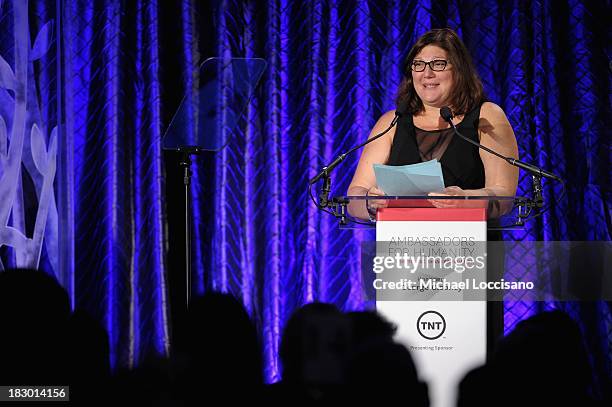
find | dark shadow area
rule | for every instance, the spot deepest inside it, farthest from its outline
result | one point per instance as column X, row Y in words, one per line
column 328, row 357
column 542, row 362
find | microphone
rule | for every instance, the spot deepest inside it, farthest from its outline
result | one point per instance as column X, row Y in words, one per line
column 399, row 112
column 447, row 115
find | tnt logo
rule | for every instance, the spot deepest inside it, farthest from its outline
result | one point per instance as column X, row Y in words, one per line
column 431, row 325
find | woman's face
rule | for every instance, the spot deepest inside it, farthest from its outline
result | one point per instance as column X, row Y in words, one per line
column 433, row 87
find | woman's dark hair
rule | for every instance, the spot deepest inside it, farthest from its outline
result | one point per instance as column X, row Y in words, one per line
column 468, row 92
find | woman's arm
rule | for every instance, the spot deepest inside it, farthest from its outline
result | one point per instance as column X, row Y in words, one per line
column 376, row 152
column 501, row 178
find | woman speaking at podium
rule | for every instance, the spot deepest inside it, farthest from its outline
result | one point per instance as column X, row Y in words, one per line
column 439, row 72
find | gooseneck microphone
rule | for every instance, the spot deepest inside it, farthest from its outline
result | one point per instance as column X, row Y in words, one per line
column 325, row 171
column 447, row 115
column 399, row 112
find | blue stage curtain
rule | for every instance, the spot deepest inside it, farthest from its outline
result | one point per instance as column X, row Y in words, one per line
column 113, row 108
column 333, row 69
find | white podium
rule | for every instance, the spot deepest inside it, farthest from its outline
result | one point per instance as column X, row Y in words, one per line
column 445, row 338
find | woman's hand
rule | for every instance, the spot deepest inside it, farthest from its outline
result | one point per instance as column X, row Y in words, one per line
column 450, row 203
column 374, row 204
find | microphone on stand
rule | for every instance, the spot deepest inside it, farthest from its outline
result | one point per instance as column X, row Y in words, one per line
column 447, row 115
column 399, row 112
column 536, row 172
column 325, row 171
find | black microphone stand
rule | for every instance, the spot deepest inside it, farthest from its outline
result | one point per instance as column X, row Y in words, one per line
column 524, row 206
column 185, row 163
column 337, row 206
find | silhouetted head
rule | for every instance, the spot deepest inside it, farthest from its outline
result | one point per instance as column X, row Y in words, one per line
column 221, row 342
column 370, row 326
column 314, row 345
column 546, row 353
column 34, row 312
column 89, row 356
column 477, row 388
column 384, row 373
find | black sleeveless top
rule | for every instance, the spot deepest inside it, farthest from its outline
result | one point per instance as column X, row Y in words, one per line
column 460, row 160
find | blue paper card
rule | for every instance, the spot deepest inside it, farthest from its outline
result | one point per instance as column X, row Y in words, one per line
column 410, row 180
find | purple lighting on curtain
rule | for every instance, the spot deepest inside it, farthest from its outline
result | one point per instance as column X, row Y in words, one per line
column 516, row 103
column 134, row 343
column 333, row 69
column 273, row 310
column 148, row 265
column 112, row 149
column 423, row 15
column 114, row 105
column 546, row 119
column 314, row 130
column 551, row 109
column 190, row 59
column 155, row 174
column 325, row 275
column 362, row 122
column 248, row 243
column 222, row 159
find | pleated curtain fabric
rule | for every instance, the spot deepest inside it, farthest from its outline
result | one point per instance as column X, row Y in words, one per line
column 333, row 68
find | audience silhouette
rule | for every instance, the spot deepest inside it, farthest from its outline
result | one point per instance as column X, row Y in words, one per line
column 313, row 352
column 88, row 357
column 382, row 371
column 34, row 315
column 327, row 356
column 218, row 353
column 543, row 361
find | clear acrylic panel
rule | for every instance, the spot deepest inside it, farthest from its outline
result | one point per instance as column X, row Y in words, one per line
column 205, row 119
column 507, row 221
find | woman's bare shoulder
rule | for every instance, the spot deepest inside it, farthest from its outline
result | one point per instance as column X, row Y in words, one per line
column 387, row 117
column 382, row 123
column 492, row 112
